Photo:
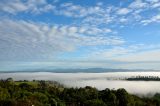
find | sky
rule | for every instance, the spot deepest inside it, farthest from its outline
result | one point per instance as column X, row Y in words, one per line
column 41, row 34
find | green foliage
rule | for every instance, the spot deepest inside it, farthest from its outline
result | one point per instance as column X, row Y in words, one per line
column 95, row 102
column 48, row 93
column 4, row 94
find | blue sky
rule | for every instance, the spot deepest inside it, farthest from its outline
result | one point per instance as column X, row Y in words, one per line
column 79, row 34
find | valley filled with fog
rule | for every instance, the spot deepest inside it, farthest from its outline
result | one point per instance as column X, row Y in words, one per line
column 112, row 80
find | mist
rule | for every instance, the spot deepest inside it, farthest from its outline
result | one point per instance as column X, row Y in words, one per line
column 98, row 80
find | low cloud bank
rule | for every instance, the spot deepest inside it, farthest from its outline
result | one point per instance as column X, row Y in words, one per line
column 98, row 80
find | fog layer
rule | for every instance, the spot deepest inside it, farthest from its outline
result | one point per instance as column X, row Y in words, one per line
column 98, row 80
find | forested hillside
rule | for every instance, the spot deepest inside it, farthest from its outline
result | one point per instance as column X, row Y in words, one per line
column 49, row 93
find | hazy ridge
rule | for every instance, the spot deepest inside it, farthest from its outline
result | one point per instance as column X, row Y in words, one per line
column 84, row 70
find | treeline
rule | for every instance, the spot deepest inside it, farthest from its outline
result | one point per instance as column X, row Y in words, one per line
column 144, row 78
column 48, row 93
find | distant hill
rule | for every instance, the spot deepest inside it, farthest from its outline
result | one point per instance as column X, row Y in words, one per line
column 78, row 70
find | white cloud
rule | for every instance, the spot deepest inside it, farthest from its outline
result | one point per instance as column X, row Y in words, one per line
column 93, row 27
column 97, row 14
column 156, row 5
column 92, row 15
column 131, row 53
column 152, row 1
column 153, row 19
column 22, row 39
column 113, row 52
column 123, row 20
column 13, row 7
column 123, row 11
column 16, row 6
column 145, row 56
column 78, row 11
column 138, row 4
column 104, row 15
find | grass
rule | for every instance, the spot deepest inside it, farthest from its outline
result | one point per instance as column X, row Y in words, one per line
column 32, row 83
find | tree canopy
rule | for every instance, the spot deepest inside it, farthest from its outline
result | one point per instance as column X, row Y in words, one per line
column 50, row 93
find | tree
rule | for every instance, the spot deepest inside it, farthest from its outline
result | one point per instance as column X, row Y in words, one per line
column 122, row 97
column 95, row 102
column 4, row 94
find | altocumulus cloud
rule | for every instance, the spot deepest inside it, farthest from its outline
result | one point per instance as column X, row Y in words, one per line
column 29, row 40
column 32, row 6
column 100, row 31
